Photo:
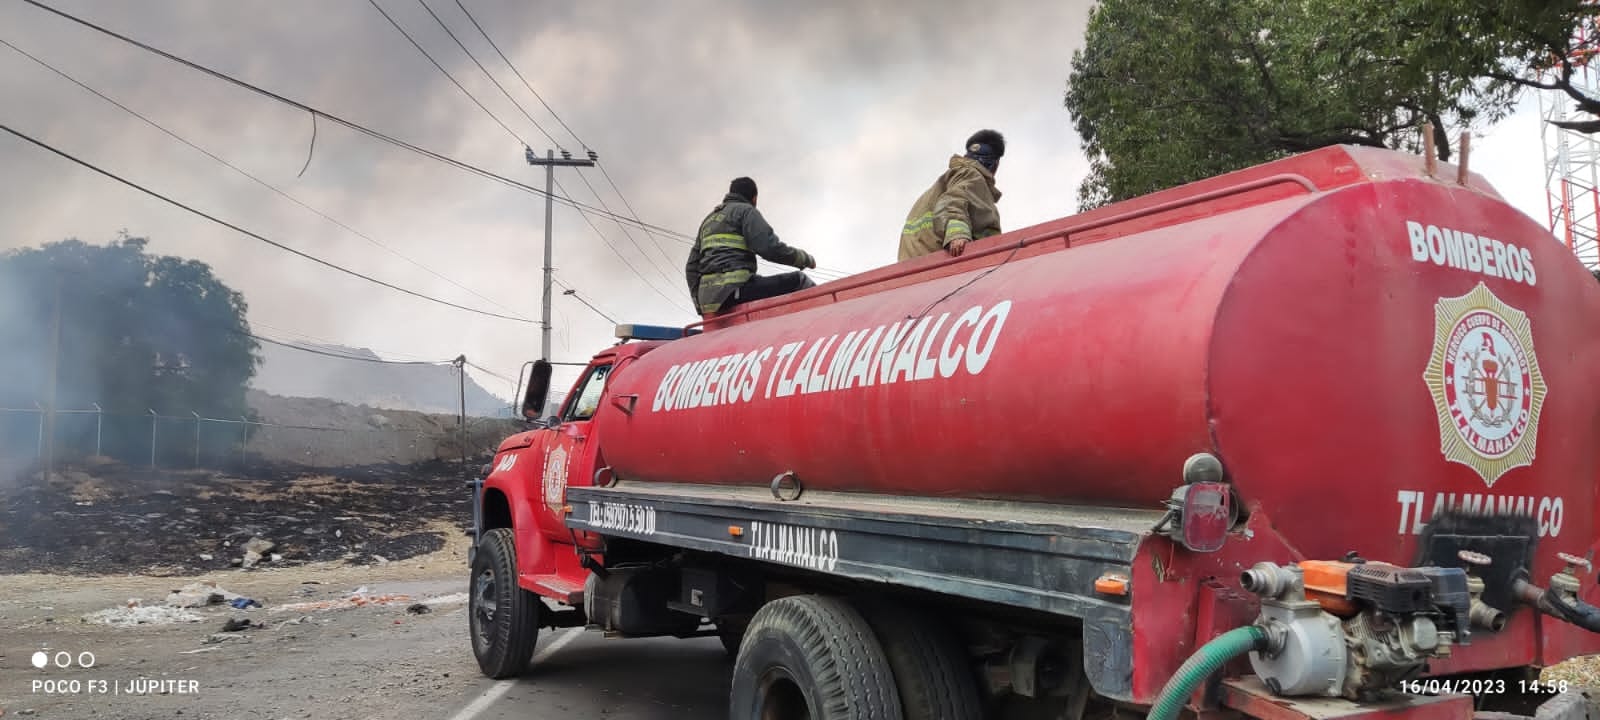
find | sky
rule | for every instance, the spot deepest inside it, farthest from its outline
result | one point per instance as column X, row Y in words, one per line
column 842, row 112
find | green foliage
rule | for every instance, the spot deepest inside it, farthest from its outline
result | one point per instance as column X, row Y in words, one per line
column 1167, row 93
column 138, row 332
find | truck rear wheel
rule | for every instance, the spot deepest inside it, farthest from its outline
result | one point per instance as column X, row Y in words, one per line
column 807, row 657
column 930, row 667
column 504, row 618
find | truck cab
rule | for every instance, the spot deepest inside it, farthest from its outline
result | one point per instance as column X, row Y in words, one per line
column 523, row 549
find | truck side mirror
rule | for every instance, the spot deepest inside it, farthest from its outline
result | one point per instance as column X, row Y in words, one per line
column 538, row 390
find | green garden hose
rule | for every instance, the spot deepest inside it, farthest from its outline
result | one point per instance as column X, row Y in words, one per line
column 1207, row 660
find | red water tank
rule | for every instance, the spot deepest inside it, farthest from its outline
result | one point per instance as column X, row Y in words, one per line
column 1360, row 344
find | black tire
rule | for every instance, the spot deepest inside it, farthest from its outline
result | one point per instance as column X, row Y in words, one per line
column 503, row 618
column 807, row 657
column 931, row 670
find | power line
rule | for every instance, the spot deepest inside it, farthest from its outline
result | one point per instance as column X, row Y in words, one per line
column 524, row 80
column 436, row 64
column 557, row 116
column 557, row 119
column 342, row 356
column 574, row 293
column 303, row 337
column 488, row 372
column 681, row 238
column 375, row 134
column 247, row 174
column 253, row 235
column 541, row 129
column 486, row 74
column 508, row 130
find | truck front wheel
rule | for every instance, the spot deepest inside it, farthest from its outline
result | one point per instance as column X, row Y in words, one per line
column 807, row 657
column 504, row 618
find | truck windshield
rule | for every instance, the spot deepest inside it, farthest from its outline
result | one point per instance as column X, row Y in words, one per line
column 589, row 394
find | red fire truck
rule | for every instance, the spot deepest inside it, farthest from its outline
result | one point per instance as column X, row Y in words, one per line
column 1314, row 439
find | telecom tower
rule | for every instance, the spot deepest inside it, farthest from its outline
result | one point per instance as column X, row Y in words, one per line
column 1572, row 159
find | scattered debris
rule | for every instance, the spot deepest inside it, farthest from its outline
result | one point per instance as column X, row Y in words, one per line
column 237, row 624
column 188, row 522
column 129, row 617
column 380, row 560
column 199, row 594
column 451, row 599
column 419, row 609
column 241, row 603
column 222, row 638
column 360, row 598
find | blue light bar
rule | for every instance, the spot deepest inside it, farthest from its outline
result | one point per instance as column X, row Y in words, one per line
column 648, row 332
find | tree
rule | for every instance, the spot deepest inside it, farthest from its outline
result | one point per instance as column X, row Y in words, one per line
column 1520, row 44
column 1168, row 93
column 139, row 332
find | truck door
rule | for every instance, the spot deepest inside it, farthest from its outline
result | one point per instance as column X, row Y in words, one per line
column 570, row 455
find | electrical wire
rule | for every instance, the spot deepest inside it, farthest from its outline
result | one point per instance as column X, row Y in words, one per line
column 352, row 125
column 570, row 290
column 684, row 239
column 254, row 235
column 436, row 64
column 342, row 356
column 252, row 177
column 486, row 74
column 307, row 337
column 502, row 124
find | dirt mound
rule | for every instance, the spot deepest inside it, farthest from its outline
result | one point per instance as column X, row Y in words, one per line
column 110, row 518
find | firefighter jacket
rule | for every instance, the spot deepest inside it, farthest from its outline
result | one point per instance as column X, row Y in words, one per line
column 960, row 204
column 724, row 254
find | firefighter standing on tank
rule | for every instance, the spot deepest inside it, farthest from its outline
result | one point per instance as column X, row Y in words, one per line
column 960, row 206
column 722, row 266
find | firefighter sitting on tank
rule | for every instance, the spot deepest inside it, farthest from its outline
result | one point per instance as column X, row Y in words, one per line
column 722, row 266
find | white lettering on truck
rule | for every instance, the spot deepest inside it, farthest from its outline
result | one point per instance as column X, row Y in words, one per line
column 1548, row 511
column 905, row 351
column 622, row 517
column 1474, row 253
column 794, row 545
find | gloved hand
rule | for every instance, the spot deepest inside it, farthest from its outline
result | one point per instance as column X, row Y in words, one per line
column 811, row 262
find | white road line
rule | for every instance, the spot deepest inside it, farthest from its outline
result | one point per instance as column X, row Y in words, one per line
column 499, row 689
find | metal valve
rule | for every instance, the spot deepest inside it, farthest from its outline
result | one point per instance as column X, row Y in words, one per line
column 1566, row 581
column 1480, row 614
column 1473, row 561
column 1476, row 559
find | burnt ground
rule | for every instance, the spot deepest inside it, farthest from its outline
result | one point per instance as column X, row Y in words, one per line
column 111, row 518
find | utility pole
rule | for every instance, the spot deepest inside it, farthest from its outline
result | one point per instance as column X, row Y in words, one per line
column 549, row 163
column 50, row 385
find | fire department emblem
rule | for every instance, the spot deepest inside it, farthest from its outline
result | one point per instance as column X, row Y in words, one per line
column 555, row 478
column 1486, row 383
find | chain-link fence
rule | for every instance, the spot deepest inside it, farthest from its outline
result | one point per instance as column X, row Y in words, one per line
column 198, row 441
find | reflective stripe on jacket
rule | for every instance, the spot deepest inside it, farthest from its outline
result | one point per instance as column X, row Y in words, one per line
column 725, row 250
column 960, row 204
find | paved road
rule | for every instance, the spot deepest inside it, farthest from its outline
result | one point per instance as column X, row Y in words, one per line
column 353, row 664
column 583, row 675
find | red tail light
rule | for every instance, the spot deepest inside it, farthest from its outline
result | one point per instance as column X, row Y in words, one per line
column 1207, row 515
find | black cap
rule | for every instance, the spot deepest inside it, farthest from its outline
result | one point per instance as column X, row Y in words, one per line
column 987, row 142
column 743, row 187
